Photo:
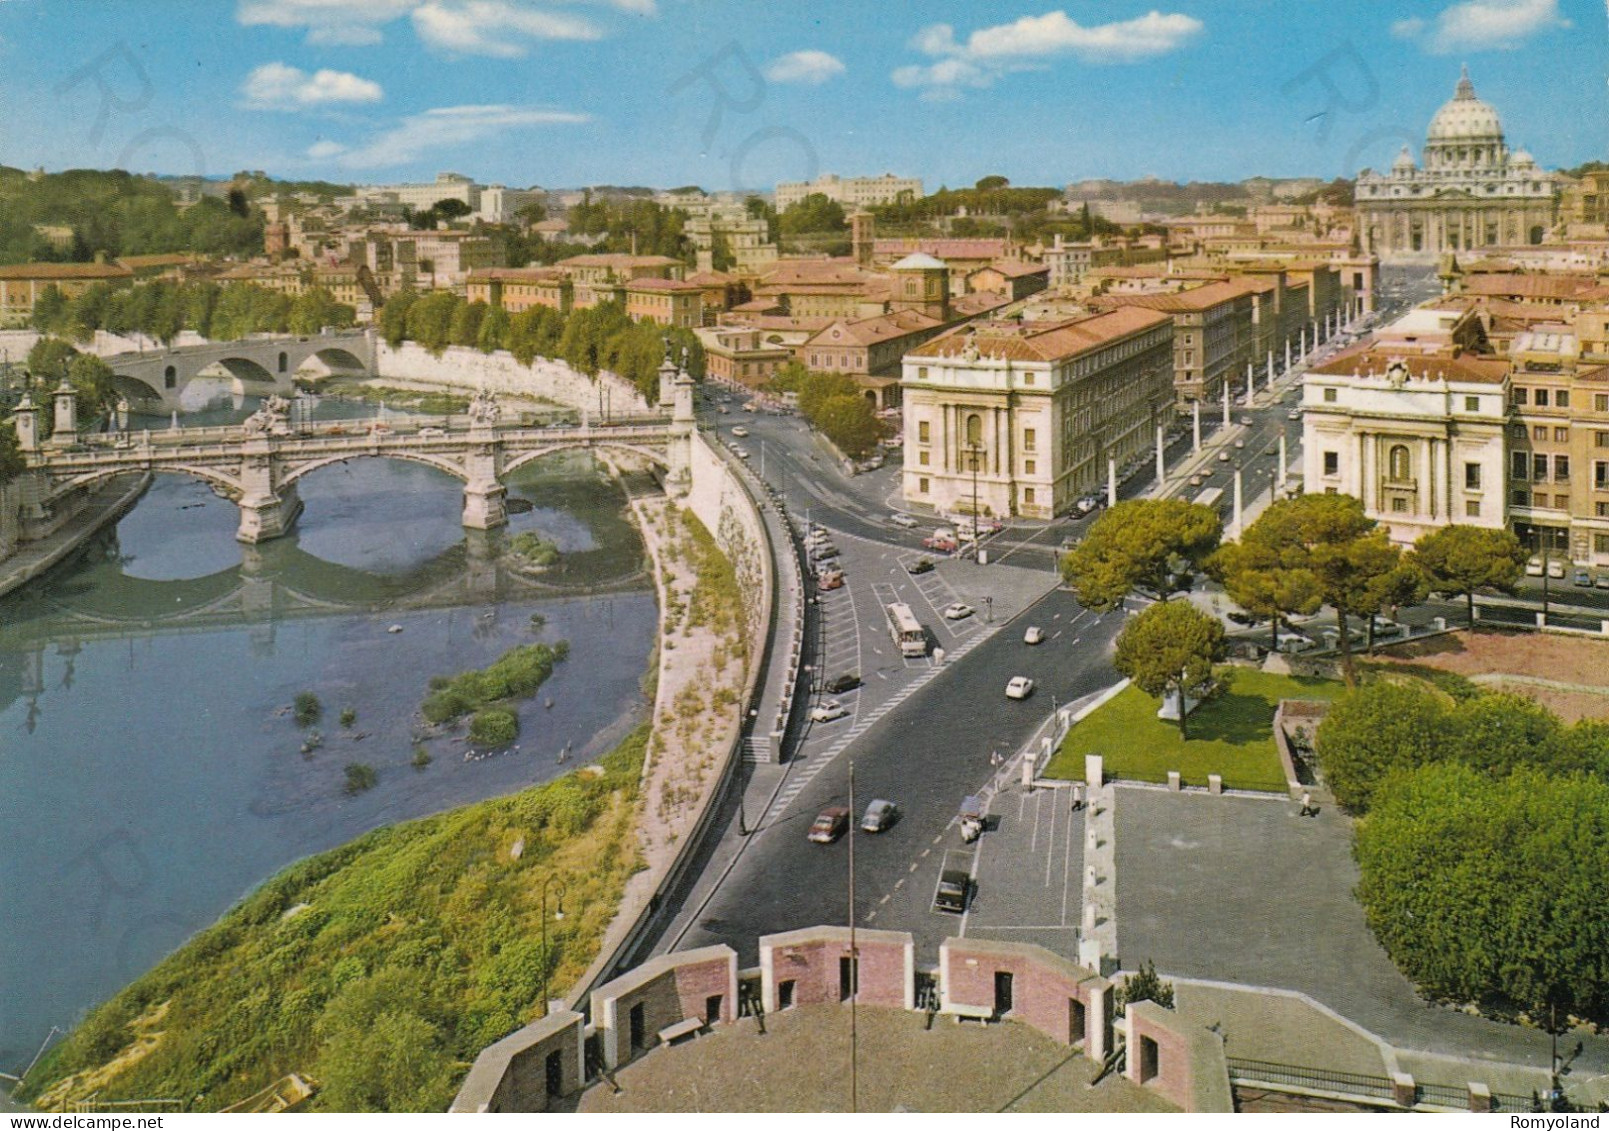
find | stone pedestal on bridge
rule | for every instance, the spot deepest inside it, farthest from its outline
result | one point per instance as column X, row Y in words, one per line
column 266, row 515
column 485, row 505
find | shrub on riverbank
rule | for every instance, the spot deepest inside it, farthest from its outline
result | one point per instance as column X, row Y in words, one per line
column 514, row 675
column 360, row 776
column 493, row 726
column 533, row 549
column 308, row 709
column 381, row 968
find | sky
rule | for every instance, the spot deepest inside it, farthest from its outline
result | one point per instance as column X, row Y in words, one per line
column 738, row 94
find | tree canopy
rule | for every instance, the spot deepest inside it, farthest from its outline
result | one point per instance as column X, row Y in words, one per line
column 1171, row 647
column 1457, row 560
column 1144, row 544
column 835, row 406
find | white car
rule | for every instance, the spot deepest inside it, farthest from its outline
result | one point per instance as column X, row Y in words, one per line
column 1555, row 568
column 1294, row 414
column 1533, row 568
column 424, row 433
column 958, row 611
column 1034, row 635
column 903, row 520
column 740, row 431
column 741, row 453
column 1020, row 687
column 828, row 710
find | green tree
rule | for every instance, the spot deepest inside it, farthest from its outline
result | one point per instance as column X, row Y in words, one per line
column 315, row 308
column 394, row 317
column 1144, row 544
column 1170, row 648
column 50, row 311
column 1457, row 560
column 430, row 320
column 11, row 458
column 992, row 183
column 91, row 379
column 1377, row 730
column 1490, row 889
column 849, row 422
column 1253, row 576
column 48, row 361
column 1146, row 985
column 815, row 214
column 494, row 331
column 465, row 328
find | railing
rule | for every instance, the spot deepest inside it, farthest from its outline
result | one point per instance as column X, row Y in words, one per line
column 1377, row 1088
column 1442, row 1095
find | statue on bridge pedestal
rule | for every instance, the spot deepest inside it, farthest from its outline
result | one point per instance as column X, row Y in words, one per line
column 484, row 410
column 273, row 419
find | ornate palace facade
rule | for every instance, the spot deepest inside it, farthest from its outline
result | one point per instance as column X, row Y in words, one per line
column 1471, row 193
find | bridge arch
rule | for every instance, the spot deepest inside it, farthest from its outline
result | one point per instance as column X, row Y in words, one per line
column 209, row 475
column 241, row 369
column 440, row 463
column 658, row 458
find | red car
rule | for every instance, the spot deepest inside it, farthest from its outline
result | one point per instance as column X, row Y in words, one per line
column 830, row 824
column 941, row 545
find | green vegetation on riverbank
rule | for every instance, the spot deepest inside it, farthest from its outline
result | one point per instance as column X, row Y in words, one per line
column 513, row 675
column 428, row 401
column 379, row 969
column 533, row 549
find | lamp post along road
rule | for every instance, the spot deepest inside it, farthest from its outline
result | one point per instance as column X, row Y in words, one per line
column 558, row 914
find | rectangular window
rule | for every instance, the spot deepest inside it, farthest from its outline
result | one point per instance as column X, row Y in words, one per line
column 1028, row 467
column 1520, row 498
column 1332, row 463
column 1027, row 378
column 1601, row 509
column 1329, row 396
column 921, row 373
column 1472, row 508
column 1028, row 495
column 1520, row 466
column 921, row 458
column 1539, row 467
column 921, row 486
column 1561, row 502
column 1561, row 398
column 1472, row 477
column 1539, row 432
column 1030, row 438
column 1520, row 396
column 1561, row 469
column 1561, row 435
column 1600, row 543
column 1600, row 402
column 923, row 432
column 1399, row 505
column 1541, row 398
column 1472, row 404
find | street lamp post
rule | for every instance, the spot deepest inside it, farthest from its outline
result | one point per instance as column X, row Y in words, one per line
column 558, row 914
column 975, row 452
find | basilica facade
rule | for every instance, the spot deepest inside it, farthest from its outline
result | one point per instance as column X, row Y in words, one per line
column 1470, row 194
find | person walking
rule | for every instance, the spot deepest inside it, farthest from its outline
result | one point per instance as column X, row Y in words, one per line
column 1307, row 805
column 1078, row 796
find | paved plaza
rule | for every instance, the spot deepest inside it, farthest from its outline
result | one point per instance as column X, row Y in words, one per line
column 801, row 1063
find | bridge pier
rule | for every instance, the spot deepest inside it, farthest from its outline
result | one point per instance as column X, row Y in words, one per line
column 267, row 515
column 484, row 505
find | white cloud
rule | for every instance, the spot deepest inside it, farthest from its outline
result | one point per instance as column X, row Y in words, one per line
column 1482, row 25
column 444, row 128
column 1027, row 43
column 277, row 86
column 465, row 27
column 813, row 67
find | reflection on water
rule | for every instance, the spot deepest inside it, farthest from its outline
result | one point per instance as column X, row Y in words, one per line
column 149, row 772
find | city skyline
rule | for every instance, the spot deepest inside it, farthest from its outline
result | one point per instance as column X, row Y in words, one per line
column 625, row 91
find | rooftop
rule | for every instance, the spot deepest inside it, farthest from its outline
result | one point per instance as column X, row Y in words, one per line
column 1449, row 365
column 1041, row 341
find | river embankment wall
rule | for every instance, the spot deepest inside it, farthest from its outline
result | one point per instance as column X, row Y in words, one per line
column 469, row 370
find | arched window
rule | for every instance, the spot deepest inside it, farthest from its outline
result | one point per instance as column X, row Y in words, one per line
column 170, row 377
column 974, row 429
column 1398, row 463
column 283, row 359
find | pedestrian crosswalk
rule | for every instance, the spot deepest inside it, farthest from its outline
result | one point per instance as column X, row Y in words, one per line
column 805, row 771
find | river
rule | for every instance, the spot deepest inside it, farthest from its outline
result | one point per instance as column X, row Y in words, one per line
column 150, row 774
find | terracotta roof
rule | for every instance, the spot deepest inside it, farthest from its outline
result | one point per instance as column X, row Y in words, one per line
column 618, row 259
column 1015, row 268
column 979, row 302
column 787, row 273
column 1042, row 341
column 712, row 278
column 64, row 271
column 941, row 248
column 1463, row 367
column 871, row 331
column 1596, row 376
column 169, row 259
column 1194, row 299
column 516, row 275
column 1529, row 286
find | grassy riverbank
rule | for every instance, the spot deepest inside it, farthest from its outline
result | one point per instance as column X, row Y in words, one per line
column 379, row 969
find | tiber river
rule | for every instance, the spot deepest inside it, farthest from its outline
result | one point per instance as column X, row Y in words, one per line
column 150, row 774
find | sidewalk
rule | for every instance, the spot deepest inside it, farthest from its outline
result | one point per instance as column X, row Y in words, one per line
column 108, row 503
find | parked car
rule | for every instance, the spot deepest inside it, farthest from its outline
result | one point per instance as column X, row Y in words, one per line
column 1223, row 457
column 1533, row 567
column 1020, row 687
column 1583, row 578
column 741, row 453
column 1196, row 480
column 880, row 815
column 958, row 611
column 903, row 520
column 1034, row 635
column 941, row 545
column 830, row 579
column 823, row 550
column 840, row 684
column 829, row 825
column 1087, row 505
column 828, row 710
column 740, row 431
column 920, row 566
column 1246, row 421
column 426, row 433
column 1555, row 569
column 1603, row 579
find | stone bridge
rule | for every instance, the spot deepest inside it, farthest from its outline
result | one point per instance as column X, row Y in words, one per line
column 258, row 464
column 184, row 379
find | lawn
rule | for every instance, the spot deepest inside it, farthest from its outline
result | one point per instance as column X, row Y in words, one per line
column 1232, row 735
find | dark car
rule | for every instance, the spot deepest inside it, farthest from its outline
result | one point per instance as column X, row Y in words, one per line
column 840, row 684
column 880, row 816
column 829, row 825
column 920, row 565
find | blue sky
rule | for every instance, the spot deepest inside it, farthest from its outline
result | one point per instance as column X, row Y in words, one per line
column 572, row 92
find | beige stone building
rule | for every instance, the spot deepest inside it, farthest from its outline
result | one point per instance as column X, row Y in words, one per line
column 1470, row 193
column 1020, row 418
column 851, row 192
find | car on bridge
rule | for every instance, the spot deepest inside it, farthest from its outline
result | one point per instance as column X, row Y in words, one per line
column 430, row 432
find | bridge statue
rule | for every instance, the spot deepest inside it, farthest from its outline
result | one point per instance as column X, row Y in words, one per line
column 272, row 419
column 484, row 411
